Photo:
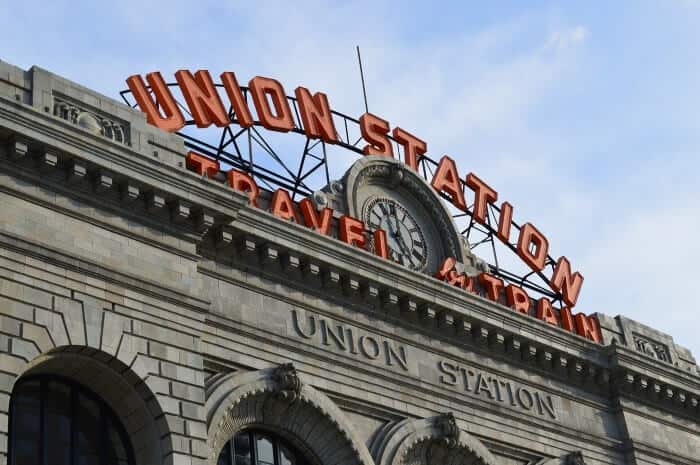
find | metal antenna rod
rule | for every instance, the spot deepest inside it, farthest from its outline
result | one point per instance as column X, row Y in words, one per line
column 362, row 77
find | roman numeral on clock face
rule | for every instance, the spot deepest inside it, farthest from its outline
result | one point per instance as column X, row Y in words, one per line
column 405, row 239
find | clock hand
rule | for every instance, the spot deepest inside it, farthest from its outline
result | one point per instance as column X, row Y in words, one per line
column 403, row 245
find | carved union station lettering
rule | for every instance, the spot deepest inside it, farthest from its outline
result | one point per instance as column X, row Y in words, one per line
column 496, row 389
column 350, row 340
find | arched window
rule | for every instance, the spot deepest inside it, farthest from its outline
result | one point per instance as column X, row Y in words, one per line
column 252, row 447
column 58, row 422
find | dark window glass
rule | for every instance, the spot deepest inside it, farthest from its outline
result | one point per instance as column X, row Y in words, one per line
column 242, row 449
column 258, row 448
column 89, row 429
column 57, row 422
column 26, row 418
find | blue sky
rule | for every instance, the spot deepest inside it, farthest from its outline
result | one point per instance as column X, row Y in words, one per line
column 584, row 115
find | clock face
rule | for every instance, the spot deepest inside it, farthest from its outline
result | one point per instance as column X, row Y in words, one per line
column 405, row 239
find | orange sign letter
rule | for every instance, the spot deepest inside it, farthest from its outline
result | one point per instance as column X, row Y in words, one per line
column 244, row 183
column 374, row 130
column 446, row 180
column 281, row 119
column 529, row 235
column 483, row 194
column 283, row 206
column 568, row 284
column 352, row 231
column 173, row 121
column 201, row 164
column 413, row 147
column 319, row 223
column 240, row 106
column 517, row 299
column 316, row 115
column 202, row 98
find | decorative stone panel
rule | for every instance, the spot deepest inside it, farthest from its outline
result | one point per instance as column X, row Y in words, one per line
column 90, row 120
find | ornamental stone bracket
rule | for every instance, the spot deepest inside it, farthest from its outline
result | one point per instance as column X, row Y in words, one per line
column 437, row 439
column 277, row 398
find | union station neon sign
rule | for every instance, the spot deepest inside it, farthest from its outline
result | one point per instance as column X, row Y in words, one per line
column 274, row 113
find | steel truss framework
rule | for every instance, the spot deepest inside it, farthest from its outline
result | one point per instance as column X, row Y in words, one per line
column 251, row 150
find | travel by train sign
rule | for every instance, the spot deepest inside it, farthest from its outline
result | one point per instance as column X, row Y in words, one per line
column 264, row 103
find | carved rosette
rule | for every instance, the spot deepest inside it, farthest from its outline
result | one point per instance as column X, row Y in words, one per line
column 288, row 382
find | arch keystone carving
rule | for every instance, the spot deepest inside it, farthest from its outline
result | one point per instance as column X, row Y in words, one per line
column 288, row 382
column 437, row 439
column 276, row 399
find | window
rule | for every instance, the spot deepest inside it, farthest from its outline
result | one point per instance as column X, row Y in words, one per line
column 252, row 447
column 58, row 422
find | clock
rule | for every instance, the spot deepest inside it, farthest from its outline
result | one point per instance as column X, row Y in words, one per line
column 386, row 194
column 405, row 239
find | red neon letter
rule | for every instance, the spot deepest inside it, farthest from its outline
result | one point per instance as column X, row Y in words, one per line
column 316, row 115
column 587, row 326
column 567, row 321
column 319, row 223
column 493, row 285
column 504, row 221
column 374, row 130
column 244, row 183
column 529, row 235
column 352, row 231
column 446, row 180
column 413, row 147
column 483, row 194
column 201, row 164
column 173, row 120
column 380, row 245
column 238, row 102
column 568, row 284
column 202, row 98
column 283, row 207
column 281, row 119
column 447, row 265
column 545, row 312
column 517, row 299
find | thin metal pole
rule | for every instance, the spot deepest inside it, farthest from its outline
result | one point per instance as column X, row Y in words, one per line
column 362, row 77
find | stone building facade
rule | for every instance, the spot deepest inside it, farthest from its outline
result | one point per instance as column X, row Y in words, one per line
column 190, row 317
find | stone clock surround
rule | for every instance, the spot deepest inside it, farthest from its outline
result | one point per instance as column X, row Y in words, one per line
column 173, row 287
column 380, row 174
